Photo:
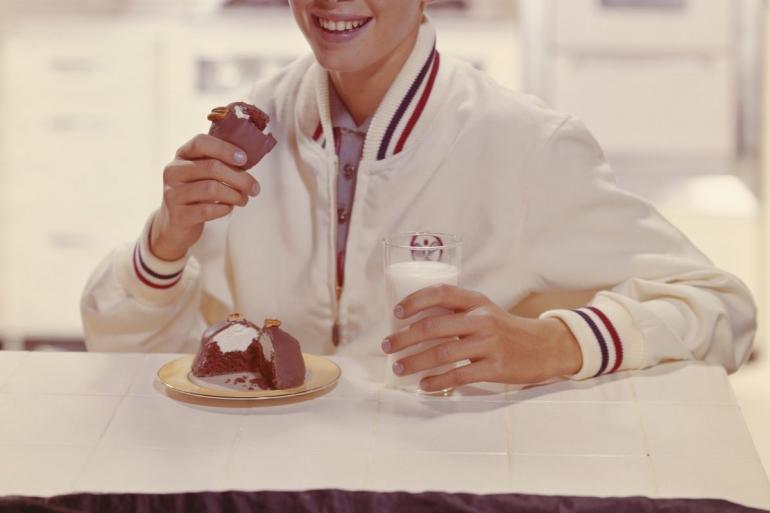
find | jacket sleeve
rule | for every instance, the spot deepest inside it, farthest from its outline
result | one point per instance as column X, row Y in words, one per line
column 135, row 302
column 661, row 298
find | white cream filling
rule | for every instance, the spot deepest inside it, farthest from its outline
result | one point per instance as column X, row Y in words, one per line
column 236, row 337
column 267, row 347
column 241, row 113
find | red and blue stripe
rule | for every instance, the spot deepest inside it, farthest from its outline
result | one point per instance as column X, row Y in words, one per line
column 590, row 315
column 151, row 278
column 394, row 142
column 431, row 65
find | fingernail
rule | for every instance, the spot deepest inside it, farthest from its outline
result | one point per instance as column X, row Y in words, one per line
column 398, row 311
column 254, row 189
column 398, row 368
column 424, row 384
column 240, row 157
column 386, row 345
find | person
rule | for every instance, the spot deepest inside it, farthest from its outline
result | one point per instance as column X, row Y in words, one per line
column 564, row 275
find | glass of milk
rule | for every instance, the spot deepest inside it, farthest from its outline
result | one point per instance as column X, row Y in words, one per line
column 414, row 261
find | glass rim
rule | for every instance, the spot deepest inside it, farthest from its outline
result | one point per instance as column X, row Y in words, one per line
column 456, row 240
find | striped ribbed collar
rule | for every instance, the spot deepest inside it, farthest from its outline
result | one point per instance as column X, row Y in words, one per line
column 405, row 104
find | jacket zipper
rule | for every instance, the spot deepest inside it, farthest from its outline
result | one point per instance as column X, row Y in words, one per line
column 337, row 289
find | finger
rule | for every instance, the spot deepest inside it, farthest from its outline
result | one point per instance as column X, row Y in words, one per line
column 430, row 328
column 445, row 352
column 191, row 215
column 183, row 171
column 444, row 296
column 207, row 146
column 474, row 372
column 205, row 191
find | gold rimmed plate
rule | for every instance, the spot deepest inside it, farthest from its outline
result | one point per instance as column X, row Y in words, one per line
column 320, row 374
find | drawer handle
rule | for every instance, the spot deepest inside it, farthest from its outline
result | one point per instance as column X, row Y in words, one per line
column 77, row 124
column 645, row 4
column 73, row 65
column 70, row 240
column 634, row 60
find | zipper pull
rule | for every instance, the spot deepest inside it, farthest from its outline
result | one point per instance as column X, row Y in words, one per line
column 336, row 328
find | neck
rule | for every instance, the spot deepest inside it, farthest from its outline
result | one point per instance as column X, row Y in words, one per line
column 362, row 91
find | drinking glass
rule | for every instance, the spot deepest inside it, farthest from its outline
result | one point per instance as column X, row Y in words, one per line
column 414, row 261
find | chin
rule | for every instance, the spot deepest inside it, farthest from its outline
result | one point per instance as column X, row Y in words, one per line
column 340, row 62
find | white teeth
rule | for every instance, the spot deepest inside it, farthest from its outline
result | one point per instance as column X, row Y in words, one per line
column 339, row 26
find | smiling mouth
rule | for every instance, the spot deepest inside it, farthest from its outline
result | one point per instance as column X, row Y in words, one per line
column 340, row 27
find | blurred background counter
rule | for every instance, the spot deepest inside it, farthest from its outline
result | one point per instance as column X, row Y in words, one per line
column 96, row 96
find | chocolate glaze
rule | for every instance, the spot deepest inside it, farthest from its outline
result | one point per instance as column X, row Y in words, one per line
column 285, row 370
column 245, row 133
column 211, row 361
column 288, row 366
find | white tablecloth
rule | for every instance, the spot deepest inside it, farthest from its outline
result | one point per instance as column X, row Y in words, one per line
column 74, row 422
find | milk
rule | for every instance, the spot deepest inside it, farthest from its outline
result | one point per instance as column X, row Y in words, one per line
column 404, row 278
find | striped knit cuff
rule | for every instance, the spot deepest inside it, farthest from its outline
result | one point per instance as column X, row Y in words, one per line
column 152, row 271
column 608, row 338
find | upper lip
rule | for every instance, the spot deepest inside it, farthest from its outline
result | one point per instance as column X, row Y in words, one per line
column 334, row 16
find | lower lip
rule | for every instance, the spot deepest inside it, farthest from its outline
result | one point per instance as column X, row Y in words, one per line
column 339, row 37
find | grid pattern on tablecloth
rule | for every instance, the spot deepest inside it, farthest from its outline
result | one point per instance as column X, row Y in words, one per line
column 97, row 422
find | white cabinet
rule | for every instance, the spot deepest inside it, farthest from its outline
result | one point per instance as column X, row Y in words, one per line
column 669, row 89
column 662, row 25
column 206, row 65
column 666, row 105
column 78, row 125
column 649, row 78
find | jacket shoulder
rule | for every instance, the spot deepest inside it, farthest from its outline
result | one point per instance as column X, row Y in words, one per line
column 483, row 104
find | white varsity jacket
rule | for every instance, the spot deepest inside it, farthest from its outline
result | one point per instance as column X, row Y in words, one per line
column 448, row 150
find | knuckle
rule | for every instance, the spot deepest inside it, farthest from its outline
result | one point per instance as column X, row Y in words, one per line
column 168, row 172
column 498, row 365
column 217, row 167
column 480, row 298
column 461, row 376
column 449, row 380
column 487, row 319
column 444, row 353
column 212, row 188
column 428, row 325
column 173, row 216
column 209, row 210
column 208, row 166
column 196, row 143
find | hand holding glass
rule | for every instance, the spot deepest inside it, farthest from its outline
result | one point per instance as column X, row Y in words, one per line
column 414, row 261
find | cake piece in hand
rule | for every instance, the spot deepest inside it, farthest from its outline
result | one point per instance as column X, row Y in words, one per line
column 243, row 125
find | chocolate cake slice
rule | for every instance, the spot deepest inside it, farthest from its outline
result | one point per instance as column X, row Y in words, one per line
column 283, row 365
column 238, row 345
column 227, row 347
column 243, row 125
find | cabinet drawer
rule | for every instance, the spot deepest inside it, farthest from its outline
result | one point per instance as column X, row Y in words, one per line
column 73, row 219
column 42, row 293
column 77, row 65
column 668, row 107
column 661, row 24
